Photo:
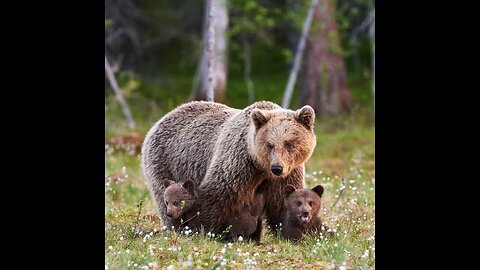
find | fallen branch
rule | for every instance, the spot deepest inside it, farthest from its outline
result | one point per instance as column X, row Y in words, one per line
column 118, row 93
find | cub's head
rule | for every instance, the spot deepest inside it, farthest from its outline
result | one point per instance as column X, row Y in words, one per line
column 281, row 139
column 303, row 204
column 178, row 197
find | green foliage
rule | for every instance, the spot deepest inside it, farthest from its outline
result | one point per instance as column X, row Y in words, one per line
column 252, row 18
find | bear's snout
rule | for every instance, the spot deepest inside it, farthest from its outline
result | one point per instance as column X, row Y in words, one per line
column 277, row 169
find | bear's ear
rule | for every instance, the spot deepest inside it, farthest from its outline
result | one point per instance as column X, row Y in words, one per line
column 289, row 189
column 260, row 117
column 319, row 190
column 306, row 116
column 167, row 183
column 189, row 185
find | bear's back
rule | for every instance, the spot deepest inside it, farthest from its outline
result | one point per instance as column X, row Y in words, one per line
column 191, row 129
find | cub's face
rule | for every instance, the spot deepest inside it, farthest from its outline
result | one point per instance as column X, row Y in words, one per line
column 178, row 198
column 282, row 139
column 303, row 204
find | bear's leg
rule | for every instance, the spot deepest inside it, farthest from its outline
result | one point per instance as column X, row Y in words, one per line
column 257, row 234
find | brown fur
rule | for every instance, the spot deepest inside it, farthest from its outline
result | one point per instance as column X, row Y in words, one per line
column 302, row 216
column 179, row 201
column 225, row 151
column 248, row 223
column 182, row 203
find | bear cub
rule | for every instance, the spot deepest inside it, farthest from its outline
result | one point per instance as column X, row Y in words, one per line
column 182, row 203
column 302, row 212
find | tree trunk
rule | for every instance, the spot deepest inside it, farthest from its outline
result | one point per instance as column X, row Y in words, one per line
column 298, row 55
column 210, row 50
column 324, row 78
column 248, row 68
column 219, row 64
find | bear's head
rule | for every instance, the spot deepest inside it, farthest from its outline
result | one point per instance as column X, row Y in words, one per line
column 303, row 204
column 281, row 139
column 178, row 197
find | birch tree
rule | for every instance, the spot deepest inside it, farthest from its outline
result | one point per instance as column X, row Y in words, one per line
column 219, row 15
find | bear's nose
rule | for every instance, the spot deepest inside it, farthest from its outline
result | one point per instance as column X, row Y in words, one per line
column 305, row 214
column 277, row 170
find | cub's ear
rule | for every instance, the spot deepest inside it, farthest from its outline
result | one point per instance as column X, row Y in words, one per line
column 189, row 185
column 167, row 183
column 319, row 190
column 306, row 116
column 260, row 117
column 289, row 189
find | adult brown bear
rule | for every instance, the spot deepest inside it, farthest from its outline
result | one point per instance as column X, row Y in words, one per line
column 231, row 154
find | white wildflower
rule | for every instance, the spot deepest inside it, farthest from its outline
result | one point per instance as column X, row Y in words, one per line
column 188, row 264
column 365, row 255
column 152, row 264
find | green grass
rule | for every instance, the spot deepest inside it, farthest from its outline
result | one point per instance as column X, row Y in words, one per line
column 135, row 239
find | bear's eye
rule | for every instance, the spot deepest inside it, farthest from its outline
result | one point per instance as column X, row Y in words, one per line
column 299, row 203
column 269, row 146
column 175, row 203
column 166, row 203
column 288, row 145
column 310, row 203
